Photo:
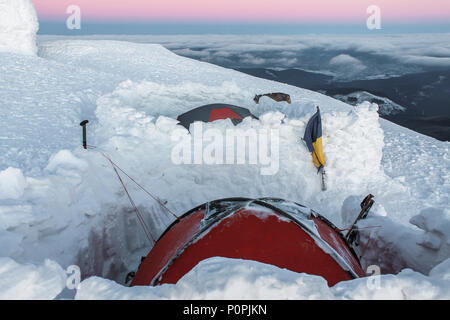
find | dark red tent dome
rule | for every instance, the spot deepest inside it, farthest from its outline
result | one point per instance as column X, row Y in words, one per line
column 212, row 112
column 272, row 231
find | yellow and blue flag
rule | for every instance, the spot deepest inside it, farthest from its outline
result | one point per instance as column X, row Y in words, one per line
column 313, row 139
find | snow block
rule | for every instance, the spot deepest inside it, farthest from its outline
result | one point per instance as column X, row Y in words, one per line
column 218, row 278
column 18, row 27
column 65, row 163
column 12, row 183
column 30, row 282
column 436, row 226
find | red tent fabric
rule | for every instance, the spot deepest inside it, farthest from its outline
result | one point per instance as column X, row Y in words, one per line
column 212, row 112
column 272, row 231
column 223, row 113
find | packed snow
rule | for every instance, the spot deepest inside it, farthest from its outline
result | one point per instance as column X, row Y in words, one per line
column 230, row 279
column 27, row 281
column 62, row 205
column 18, row 27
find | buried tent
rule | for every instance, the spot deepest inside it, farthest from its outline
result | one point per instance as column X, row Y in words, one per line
column 273, row 231
column 212, row 112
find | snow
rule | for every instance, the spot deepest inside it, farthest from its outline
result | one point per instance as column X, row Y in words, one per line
column 436, row 236
column 18, row 27
column 25, row 282
column 407, row 285
column 63, row 203
column 64, row 162
column 230, row 279
column 12, row 183
column 218, row 279
column 9, row 241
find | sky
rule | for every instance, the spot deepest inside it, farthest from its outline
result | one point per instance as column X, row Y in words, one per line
column 416, row 14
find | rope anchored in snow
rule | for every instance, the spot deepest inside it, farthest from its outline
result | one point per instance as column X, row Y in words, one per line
column 116, row 168
column 142, row 188
column 138, row 213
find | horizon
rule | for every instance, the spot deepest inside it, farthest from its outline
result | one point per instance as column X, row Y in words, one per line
column 242, row 17
column 52, row 27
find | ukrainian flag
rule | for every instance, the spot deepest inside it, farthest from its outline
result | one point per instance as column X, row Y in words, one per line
column 313, row 139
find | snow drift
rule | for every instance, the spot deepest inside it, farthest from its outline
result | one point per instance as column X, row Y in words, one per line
column 30, row 281
column 18, row 26
column 229, row 279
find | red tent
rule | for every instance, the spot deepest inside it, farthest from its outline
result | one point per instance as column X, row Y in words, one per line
column 213, row 112
column 268, row 230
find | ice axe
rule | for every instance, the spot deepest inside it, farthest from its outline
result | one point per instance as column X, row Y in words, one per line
column 83, row 124
column 366, row 204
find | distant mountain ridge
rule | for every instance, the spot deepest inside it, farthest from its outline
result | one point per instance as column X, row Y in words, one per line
column 420, row 101
column 387, row 106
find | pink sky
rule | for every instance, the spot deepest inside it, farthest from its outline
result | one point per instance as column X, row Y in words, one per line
column 247, row 10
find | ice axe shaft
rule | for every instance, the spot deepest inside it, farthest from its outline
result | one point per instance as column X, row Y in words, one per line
column 323, row 180
column 83, row 124
column 366, row 204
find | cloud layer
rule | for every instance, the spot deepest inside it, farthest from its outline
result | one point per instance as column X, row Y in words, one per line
column 345, row 56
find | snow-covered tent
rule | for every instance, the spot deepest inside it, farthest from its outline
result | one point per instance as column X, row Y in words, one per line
column 213, row 112
column 272, row 231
